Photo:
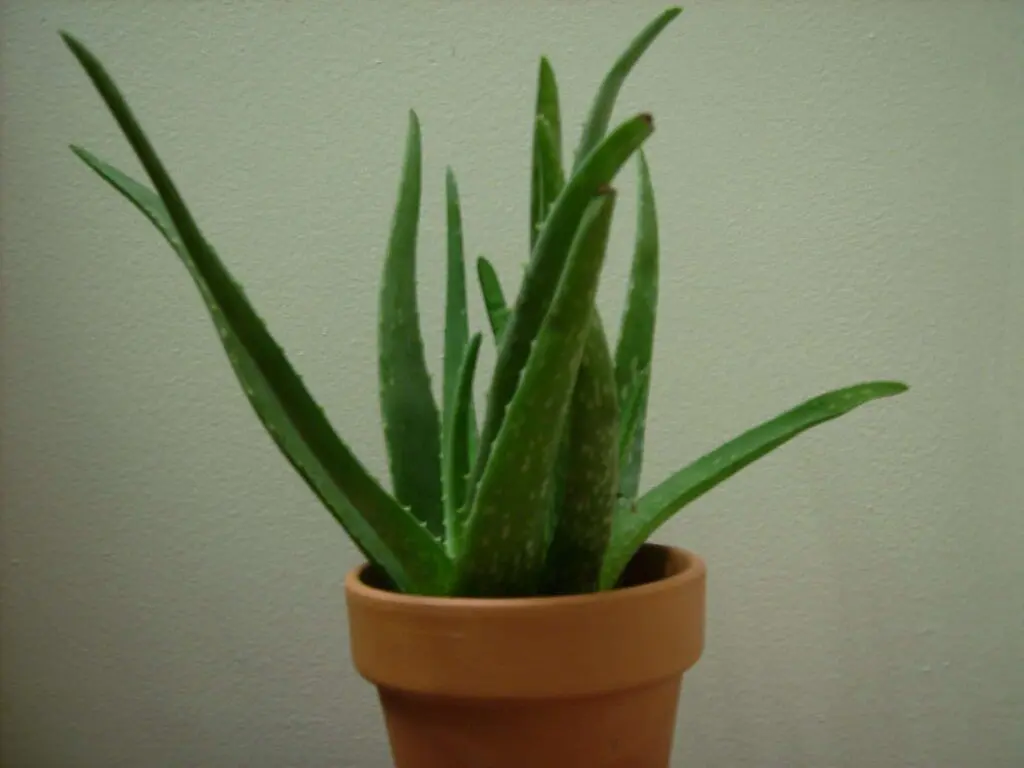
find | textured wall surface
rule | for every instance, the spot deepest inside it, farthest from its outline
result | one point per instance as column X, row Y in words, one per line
column 841, row 189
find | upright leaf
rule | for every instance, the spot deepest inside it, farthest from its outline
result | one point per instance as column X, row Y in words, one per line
column 631, row 413
column 547, row 105
column 503, row 550
column 494, row 297
column 635, row 349
column 548, row 174
column 607, row 94
column 544, row 272
column 456, row 325
column 633, row 526
column 457, row 454
column 383, row 530
column 412, row 430
column 547, row 149
column 591, row 474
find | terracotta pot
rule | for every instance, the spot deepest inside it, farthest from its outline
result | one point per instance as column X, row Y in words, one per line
column 584, row 681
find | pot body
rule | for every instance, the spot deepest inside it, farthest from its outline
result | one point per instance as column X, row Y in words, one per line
column 550, row 682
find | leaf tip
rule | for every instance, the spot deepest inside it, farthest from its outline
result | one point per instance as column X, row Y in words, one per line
column 546, row 76
column 69, row 40
column 83, row 154
column 77, row 47
column 414, row 122
column 889, row 388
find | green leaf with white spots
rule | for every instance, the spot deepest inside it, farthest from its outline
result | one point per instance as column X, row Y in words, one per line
column 631, row 413
column 412, row 429
column 456, row 332
column 503, row 550
column 591, row 473
column 544, row 272
column 635, row 349
column 547, row 174
column 457, row 454
column 547, row 178
column 608, row 93
column 544, row 500
column 494, row 297
column 385, row 532
column 634, row 525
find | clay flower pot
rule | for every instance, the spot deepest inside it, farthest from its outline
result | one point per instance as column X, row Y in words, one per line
column 588, row 680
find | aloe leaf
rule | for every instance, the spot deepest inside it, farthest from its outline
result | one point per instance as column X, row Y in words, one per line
column 548, row 173
column 631, row 414
column 412, row 430
column 604, row 102
column 498, row 312
column 494, row 297
column 456, row 327
column 547, row 149
column 634, row 525
column 591, row 474
column 635, row 348
column 503, row 549
column 387, row 533
column 547, row 105
column 457, row 453
column 544, row 272
column 551, row 157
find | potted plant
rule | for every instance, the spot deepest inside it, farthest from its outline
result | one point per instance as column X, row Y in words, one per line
column 511, row 610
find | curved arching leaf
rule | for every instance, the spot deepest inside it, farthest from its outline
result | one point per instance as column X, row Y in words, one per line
column 635, row 524
column 386, row 532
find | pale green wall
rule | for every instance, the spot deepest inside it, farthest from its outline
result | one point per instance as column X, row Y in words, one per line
column 841, row 188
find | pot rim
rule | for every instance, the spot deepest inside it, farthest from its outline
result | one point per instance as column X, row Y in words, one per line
column 692, row 569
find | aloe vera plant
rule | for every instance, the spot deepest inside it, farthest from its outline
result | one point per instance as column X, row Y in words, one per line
column 542, row 495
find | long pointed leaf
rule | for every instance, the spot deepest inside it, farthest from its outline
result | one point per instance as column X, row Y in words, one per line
column 608, row 92
column 503, row 551
column 544, row 272
column 632, row 410
column 548, row 106
column 593, row 132
column 547, row 149
column 387, row 533
column 635, row 348
column 456, row 326
column 634, row 526
column 457, row 455
column 412, row 430
column 494, row 297
column 548, row 175
column 591, row 474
